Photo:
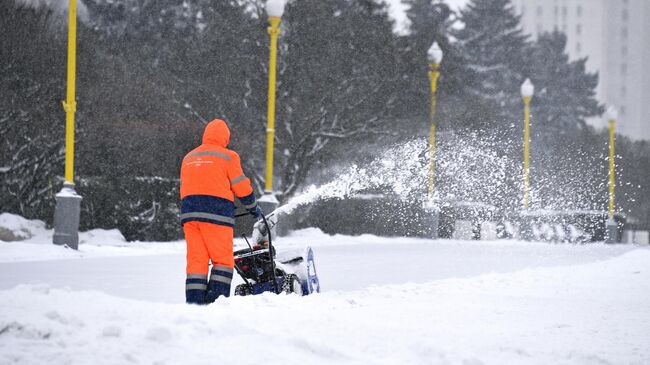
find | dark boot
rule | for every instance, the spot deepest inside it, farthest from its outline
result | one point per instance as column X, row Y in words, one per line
column 219, row 284
column 196, row 287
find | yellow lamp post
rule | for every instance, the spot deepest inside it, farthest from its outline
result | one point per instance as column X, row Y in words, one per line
column 274, row 9
column 70, row 104
column 68, row 202
column 527, row 91
column 435, row 55
column 612, row 228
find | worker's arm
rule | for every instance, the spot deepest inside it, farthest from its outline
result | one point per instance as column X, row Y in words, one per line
column 241, row 185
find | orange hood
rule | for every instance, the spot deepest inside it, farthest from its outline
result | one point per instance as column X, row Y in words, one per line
column 217, row 133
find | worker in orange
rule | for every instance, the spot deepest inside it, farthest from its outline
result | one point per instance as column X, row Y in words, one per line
column 211, row 177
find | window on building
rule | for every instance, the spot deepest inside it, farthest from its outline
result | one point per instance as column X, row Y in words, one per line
column 540, row 10
column 624, row 69
column 564, row 28
column 624, row 14
column 624, row 50
column 556, row 10
column 624, row 32
column 623, row 91
column 564, row 11
column 622, row 109
column 540, row 29
column 578, row 29
column 578, row 47
column 579, row 10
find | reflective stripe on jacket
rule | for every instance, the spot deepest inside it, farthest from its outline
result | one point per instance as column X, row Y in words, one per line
column 211, row 178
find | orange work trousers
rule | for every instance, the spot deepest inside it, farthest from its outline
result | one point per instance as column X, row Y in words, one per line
column 205, row 242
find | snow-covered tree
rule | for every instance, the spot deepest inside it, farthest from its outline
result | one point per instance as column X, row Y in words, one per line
column 430, row 20
column 490, row 46
column 31, row 116
column 565, row 93
column 337, row 82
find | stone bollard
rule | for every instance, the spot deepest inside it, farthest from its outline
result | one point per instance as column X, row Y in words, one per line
column 66, row 217
column 611, row 231
column 431, row 219
column 526, row 228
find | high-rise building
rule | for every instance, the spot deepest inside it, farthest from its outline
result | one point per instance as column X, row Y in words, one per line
column 615, row 36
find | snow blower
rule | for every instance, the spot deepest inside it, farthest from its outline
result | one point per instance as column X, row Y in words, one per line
column 263, row 271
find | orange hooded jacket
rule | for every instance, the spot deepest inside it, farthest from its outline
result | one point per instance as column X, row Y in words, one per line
column 211, row 176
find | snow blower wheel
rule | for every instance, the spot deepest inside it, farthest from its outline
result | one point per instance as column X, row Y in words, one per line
column 243, row 290
column 292, row 285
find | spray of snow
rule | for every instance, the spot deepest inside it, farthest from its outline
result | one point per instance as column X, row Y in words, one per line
column 398, row 170
column 465, row 171
column 470, row 170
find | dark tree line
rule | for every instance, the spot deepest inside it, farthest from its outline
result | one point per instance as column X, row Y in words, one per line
column 152, row 73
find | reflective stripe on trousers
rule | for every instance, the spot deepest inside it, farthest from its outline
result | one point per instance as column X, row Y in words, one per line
column 196, row 282
column 222, row 274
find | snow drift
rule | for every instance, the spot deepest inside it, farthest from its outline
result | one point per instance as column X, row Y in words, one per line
column 590, row 313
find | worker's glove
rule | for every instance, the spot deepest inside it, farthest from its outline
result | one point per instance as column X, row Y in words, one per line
column 256, row 212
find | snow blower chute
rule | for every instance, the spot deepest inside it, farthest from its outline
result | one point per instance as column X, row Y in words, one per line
column 264, row 271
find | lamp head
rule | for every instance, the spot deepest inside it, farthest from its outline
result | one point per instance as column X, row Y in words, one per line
column 527, row 89
column 435, row 53
column 612, row 113
column 275, row 8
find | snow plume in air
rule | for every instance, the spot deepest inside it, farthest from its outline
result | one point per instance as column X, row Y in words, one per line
column 472, row 169
column 400, row 170
column 469, row 169
column 466, row 171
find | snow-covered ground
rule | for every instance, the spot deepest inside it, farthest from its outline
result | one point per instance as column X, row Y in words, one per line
column 385, row 301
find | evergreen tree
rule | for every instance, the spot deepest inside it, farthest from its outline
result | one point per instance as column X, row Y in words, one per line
column 565, row 94
column 429, row 21
column 490, row 46
column 168, row 67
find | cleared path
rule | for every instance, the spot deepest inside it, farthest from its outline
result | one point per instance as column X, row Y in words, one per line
column 343, row 263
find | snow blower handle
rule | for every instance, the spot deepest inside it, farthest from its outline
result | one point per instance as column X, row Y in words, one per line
column 257, row 211
column 271, row 250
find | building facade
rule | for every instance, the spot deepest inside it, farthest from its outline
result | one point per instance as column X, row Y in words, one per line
column 615, row 36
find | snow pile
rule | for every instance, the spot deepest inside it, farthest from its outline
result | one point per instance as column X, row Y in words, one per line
column 103, row 237
column 584, row 314
column 35, row 231
column 30, row 240
column 16, row 228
